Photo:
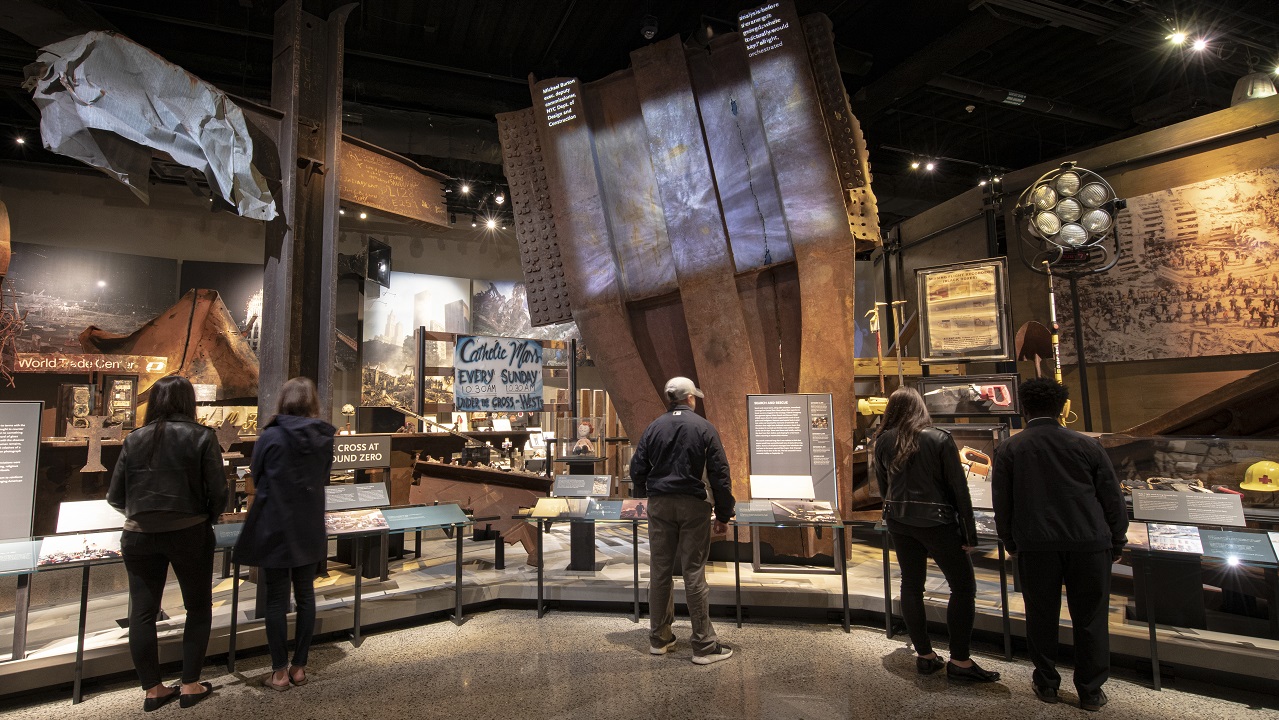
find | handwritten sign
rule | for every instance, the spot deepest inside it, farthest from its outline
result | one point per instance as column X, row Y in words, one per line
column 79, row 364
column 391, row 184
column 497, row 374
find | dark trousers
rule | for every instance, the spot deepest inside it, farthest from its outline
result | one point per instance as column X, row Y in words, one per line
column 914, row 546
column 147, row 557
column 1087, row 579
column 679, row 531
column 277, row 582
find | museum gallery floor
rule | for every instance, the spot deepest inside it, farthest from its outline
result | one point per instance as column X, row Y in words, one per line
column 418, row 587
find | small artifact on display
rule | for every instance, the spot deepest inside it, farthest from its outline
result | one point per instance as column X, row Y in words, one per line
column 970, row 396
column 963, row 312
column 95, row 430
column 61, row 549
column 977, row 444
column 578, row 439
column 786, row 512
column 1199, row 466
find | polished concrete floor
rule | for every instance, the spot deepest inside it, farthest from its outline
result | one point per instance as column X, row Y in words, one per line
column 509, row 664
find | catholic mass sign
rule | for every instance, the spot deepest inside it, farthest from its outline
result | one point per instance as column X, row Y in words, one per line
column 492, row 374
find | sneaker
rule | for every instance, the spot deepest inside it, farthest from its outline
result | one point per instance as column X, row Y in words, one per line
column 661, row 649
column 1093, row 703
column 721, row 652
column 1045, row 694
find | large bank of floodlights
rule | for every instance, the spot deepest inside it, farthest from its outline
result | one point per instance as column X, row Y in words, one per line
column 1070, row 212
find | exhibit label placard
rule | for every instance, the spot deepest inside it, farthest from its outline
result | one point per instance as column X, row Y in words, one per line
column 88, row 515
column 1196, row 508
column 497, row 374
column 412, row 518
column 1175, row 538
column 361, row 452
column 1237, row 546
column 754, row 511
column 604, row 510
column 791, row 436
column 19, row 459
column 19, row 556
column 225, row 535
column 357, row 495
column 583, row 485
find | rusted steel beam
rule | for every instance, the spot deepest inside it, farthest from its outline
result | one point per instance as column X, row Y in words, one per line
column 815, row 212
column 590, row 266
column 699, row 245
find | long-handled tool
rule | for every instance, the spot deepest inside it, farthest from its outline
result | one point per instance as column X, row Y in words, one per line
column 873, row 314
column 898, row 311
column 1055, row 331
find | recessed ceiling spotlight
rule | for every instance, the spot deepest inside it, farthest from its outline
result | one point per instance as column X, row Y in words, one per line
column 930, row 166
column 364, row 216
column 490, row 224
column 649, row 29
column 21, row 140
column 914, row 165
column 466, row 189
column 1200, row 45
column 1177, row 37
column 341, row 211
column 501, row 198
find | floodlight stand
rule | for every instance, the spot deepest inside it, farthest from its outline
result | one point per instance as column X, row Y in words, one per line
column 1080, row 356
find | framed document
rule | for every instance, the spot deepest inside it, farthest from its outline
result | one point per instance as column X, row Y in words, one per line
column 963, row 312
column 970, row 395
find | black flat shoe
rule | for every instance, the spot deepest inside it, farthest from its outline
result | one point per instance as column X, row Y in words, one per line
column 1046, row 694
column 972, row 673
column 153, row 704
column 190, row 699
column 1094, row 703
column 928, row 666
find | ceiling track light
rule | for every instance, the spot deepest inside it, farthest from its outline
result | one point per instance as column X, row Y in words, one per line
column 649, row 28
column 1177, row 37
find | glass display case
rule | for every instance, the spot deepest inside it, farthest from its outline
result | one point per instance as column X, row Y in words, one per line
column 1248, row 467
column 579, row 439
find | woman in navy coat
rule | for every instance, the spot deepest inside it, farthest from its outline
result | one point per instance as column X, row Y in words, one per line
column 284, row 534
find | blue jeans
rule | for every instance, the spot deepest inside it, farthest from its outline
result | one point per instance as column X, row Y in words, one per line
column 277, row 582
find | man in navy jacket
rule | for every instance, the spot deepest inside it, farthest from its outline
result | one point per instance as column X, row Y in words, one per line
column 1059, row 509
column 680, row 466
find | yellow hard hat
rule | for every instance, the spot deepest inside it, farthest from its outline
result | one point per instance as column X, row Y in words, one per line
column 1262, row 476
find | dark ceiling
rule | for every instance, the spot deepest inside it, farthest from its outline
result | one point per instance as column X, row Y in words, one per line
column 929, row 79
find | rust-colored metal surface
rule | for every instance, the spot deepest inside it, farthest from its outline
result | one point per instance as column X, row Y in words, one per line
column 199, row 337
column 699, row 245
column 739, row 173
column 1243, row 408
column 548, row 300
column 374, row 178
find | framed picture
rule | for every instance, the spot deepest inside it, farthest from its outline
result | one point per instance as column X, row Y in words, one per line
column 970, row 395
column 963, row 312
column 976, row 445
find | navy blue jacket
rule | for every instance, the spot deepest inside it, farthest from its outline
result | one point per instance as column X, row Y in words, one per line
column 1055, row 489
column 291, row 462
column 680, row 454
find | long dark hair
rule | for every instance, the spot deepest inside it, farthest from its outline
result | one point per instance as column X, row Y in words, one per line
column 907, row 414
column 299, row 397
column 170, row 395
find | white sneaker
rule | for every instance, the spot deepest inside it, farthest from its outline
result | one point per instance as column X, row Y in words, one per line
column 721, row 652
column 663, row 649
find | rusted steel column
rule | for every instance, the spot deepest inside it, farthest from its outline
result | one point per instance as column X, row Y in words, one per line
column 590, row 267
column 815, row 213
column 716, row 326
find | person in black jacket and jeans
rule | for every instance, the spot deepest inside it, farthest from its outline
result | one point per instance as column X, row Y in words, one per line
column 680, row 466
column 1059, row 509
column 929, row 514
column 284, row 534
column 171, row 487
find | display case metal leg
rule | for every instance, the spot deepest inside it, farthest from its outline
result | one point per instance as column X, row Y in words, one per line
column 457, row 581
column 356, row 639
column 21, row 604
column 635, row 565
column 737, row 574
column 541, row 569
column 233, row 632
column 888, row 591
column 417, row 545
column 77, row 689
column 1003, row 598
column 840, row 557
column 1154, row 638
column 499, row 553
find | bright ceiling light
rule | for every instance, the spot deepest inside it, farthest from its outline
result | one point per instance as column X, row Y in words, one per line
column 466, row 189
column 914, row 165
column 1070, row 207
column 491, row 224
column 931, row 166
column 1200, row 45
column 341, row 211
column 501, row 198
column 23, row 141
column 364, row 216
column 1177, row 37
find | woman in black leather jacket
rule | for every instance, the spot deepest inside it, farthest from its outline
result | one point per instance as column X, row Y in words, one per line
column 170, row 485
column 929, row 514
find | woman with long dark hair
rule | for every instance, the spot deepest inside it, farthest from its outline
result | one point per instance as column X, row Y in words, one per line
column 171, row 487
column 929, row 514
column 284, row 534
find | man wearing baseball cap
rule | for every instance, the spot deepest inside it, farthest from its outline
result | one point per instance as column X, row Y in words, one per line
column 680, row 466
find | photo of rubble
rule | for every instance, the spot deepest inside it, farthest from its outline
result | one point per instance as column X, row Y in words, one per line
column 440, row 304
column 500, row 308
column 1197, row 275
column 1175, row 538
column 354, row 521
column 59, row 549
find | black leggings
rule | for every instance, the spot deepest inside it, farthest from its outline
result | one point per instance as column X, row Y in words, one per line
column 914, row 546
column 147, row 557
column 277, row 581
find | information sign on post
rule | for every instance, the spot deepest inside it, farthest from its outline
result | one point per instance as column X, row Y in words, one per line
column 792, row 447
column 19, row 458
column 492, row 374
column 361, row 452
column 1196, row 508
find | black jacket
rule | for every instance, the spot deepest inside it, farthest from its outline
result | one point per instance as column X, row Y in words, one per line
column 1055, row 489
column 291, row 462
column 183, row 476
column 930, row 489
column 680, row 454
